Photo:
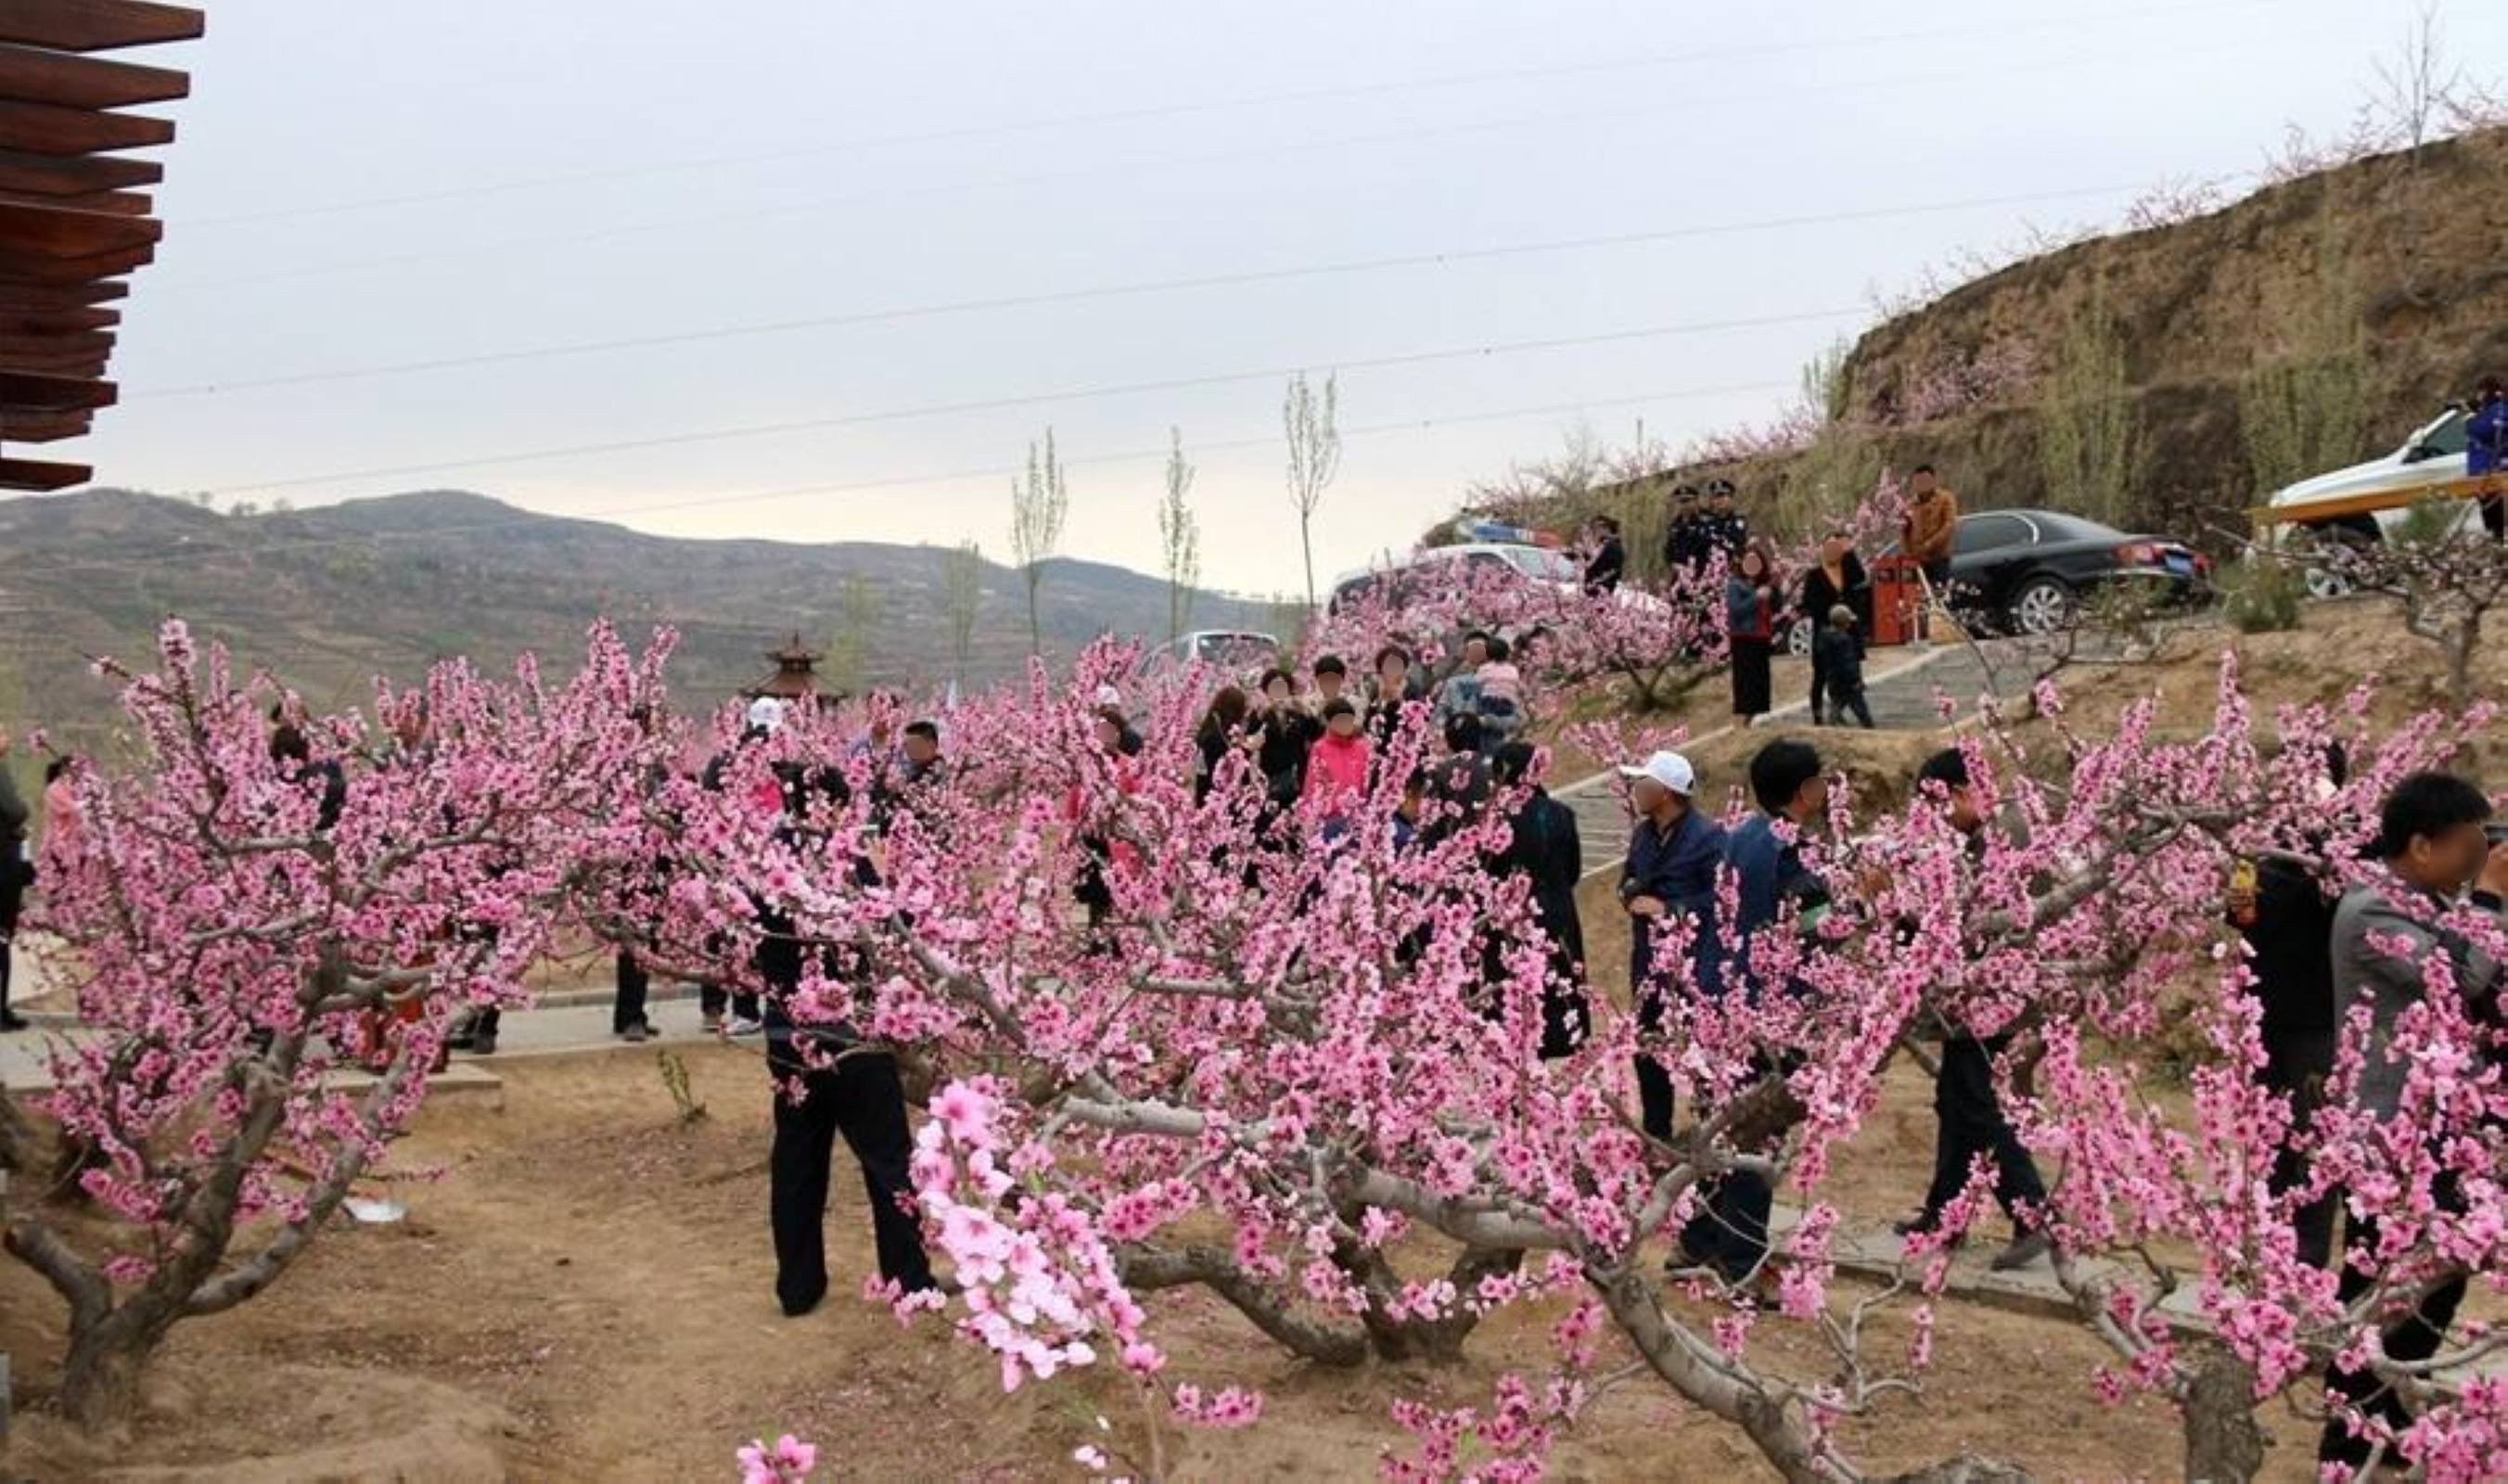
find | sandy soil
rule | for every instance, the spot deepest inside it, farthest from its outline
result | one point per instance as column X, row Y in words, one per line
column 584, row 1293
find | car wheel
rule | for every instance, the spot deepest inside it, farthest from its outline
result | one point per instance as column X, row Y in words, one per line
column 2042, row 605
column 1799, row 638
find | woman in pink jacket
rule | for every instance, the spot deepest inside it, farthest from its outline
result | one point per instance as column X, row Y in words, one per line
column 1337, row 769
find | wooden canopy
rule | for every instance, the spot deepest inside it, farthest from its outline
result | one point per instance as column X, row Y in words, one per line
column 75, row 216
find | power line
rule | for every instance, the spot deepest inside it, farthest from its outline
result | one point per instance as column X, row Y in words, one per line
column 1034, row 398
column 1221, row 105
column 1157, row 454
column 1434, row 259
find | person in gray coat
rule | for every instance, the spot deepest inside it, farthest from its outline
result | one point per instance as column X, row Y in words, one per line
column 2433, row 845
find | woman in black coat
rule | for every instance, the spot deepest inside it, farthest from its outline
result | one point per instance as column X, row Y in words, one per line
column 1542, row 847
column 1838, row 576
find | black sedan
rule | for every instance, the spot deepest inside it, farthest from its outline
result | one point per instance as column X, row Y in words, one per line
column 2028, row 572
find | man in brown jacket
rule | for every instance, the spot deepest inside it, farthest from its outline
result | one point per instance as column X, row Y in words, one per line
column 1932, row 521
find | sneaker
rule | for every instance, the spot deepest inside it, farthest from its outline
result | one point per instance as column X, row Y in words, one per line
column 635, row 1034
column 713, row 1021
column 2026, row 1248
column 11, row 1022
column 743, row 1027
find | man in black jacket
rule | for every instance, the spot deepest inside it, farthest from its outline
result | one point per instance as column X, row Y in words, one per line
column 828, row 1083
column 1610, row 559
column 1542, row 847
column 2287, row 918
column 1685, row 539
column 1968, row 1114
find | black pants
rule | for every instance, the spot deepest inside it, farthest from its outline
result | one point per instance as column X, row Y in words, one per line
column 860, row 1097
column 1971, row 1124
column 1730, row 1230
column 1841, row 700
column 2416, row 1337
column 2297, row 1064
column 1654, row 1084
column 627, row 1011
column 711, row 998
column 1751, row 679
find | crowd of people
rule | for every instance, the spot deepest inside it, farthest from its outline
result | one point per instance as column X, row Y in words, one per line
column 2319, row 953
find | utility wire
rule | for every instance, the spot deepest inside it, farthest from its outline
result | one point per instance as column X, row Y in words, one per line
column 1035, row 398
column 1413, row 260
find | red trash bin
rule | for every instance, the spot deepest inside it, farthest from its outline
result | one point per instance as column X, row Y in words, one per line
column 1897, row 598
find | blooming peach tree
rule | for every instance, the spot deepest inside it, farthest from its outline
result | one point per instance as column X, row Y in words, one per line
column 266, row 951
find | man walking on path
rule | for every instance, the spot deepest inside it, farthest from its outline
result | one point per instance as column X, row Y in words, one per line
column 1968, row 1114
column 1669, row 877
column 2433, row 846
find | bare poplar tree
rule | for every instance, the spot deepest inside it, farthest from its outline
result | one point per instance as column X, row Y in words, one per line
column 1039, row 500
column 849, row 658
column 962, row 599
column 1179, row 536
column 1314, row 458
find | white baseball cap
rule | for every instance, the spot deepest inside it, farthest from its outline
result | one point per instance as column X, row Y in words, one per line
column 1108, row 695
column 766, row 714
column 1671, row 769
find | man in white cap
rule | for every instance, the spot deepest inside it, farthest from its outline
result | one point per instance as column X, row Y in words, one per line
column 1109, row 703
column 1671, row 874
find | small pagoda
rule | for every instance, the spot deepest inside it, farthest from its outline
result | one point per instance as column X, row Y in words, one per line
column 795, row 679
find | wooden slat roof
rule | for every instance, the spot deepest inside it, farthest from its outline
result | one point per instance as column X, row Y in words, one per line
column 74, row 214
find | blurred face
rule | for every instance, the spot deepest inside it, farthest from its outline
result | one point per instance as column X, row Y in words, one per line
column 1833, row 550
column 1961, row 808
column 1328, row 685
column 1344, row 724
column 1108, row 734
column 1647, row 796
column 1392, row 674
column 1812, row 800
column 1277, row 691
column 1753, row 565
column 920, row 749
column 1476, row 652
column 1922, row 483
column 2447, row 863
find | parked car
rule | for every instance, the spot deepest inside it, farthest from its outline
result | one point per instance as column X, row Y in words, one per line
column 1536, row 564
column 2432, row 458
column 1232, row 649
column 2026, row 572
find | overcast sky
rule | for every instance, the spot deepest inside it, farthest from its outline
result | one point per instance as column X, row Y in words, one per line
column 368, row 186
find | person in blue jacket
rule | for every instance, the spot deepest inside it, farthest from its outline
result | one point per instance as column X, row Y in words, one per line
column 1729, row 1234
column 1670, row 874
column 2486, row 451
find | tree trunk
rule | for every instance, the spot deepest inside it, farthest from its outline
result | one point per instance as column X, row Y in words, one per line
column 1146, row 1270
column 2461, row 643
column 2224, row 1444
column 100, row 1378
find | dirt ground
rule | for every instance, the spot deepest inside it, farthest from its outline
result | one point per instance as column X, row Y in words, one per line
column 584, row 1292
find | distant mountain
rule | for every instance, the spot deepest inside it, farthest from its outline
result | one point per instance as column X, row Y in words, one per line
column 331, row 596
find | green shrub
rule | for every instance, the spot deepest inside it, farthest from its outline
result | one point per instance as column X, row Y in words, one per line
column 2261, row 596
